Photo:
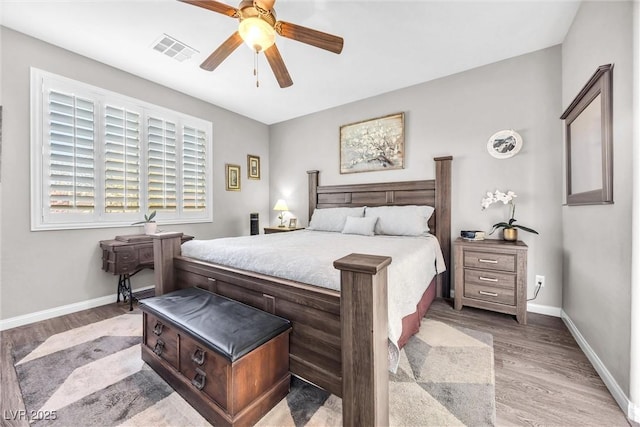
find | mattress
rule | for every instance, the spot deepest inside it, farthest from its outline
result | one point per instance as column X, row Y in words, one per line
column 307, row 256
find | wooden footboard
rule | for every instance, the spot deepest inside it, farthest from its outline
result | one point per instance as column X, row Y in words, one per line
column 347, row 358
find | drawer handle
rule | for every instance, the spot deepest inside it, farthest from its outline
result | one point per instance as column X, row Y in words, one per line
column 157, row 329
column 159, row 347
column 488, row 261
column 199, row 379
column 211, row 279
column 198, row 357
column 489, row 294
column 488, row 279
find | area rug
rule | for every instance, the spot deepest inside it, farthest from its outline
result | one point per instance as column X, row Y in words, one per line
column 94, row 376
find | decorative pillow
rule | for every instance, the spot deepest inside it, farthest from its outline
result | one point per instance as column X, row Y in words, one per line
column 332, row 219
column 401, row 220
column 357, row 225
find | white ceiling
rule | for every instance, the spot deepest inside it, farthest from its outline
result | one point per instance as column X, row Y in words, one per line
column 388, row 45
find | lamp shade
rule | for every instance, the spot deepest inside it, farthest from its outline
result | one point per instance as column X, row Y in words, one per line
column 281, row 205
column 257, row 34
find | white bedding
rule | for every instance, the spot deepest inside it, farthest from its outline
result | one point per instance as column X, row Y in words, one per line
column 307, row 256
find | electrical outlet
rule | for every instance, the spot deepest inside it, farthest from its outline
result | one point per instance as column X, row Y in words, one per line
column 540, row 280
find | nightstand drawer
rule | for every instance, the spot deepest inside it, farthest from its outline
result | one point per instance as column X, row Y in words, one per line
column 490, row 278
column 490, row 293
column 490, row 261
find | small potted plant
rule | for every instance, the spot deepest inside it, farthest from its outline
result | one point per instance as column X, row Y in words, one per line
column 150, row 225
column 509, row 229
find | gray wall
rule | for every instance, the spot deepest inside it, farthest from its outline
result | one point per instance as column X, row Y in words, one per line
column 455, row 116
column 47, row 269
column 597, row 239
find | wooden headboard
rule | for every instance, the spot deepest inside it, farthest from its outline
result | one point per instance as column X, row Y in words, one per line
column 433, row 192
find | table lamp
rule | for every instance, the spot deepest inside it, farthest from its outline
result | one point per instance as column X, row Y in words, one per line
column 281, row 206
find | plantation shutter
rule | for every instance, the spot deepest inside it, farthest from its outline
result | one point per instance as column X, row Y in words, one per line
column 193, row 169
column 122, row 160
column 71, row 163
column 161, row 165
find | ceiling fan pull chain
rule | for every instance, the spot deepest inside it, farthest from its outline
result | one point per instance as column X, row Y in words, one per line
column 255, row 69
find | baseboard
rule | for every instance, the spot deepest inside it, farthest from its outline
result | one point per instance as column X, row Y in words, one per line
column 628, row 407
column 25, row 319
column 634, row 412
column 544, row 309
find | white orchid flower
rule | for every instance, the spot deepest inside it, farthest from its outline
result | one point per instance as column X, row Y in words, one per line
column 497, row 196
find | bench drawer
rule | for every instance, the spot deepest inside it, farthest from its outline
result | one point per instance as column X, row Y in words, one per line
column 162, row 339
column 207, row 371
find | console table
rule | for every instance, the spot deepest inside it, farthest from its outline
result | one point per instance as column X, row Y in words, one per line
column 125, row 256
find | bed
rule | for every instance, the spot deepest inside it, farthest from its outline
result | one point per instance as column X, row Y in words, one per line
column 339, row 338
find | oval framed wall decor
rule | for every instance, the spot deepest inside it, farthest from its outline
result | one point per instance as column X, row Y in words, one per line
column 504, row 144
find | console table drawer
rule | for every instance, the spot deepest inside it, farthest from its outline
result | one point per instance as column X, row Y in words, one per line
column 490, row 261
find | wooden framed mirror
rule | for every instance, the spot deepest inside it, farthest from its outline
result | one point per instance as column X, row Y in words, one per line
column 589, row 141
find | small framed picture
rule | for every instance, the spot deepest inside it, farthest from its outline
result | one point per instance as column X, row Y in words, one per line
column 504, row 144
column 233, row 177
column 293, row 222
column 253, row 167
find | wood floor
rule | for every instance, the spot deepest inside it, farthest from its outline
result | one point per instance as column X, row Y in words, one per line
column 542, row 376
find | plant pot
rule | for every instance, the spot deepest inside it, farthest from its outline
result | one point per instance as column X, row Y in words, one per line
column 150, row 227
column 510, row 234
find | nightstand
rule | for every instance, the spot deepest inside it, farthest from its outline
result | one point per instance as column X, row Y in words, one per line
column 270, row 230
column 492, row 274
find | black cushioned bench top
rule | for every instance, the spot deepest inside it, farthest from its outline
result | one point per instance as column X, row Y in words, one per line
column 229, row 327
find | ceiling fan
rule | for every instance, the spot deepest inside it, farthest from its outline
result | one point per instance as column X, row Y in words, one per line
column 258, row 28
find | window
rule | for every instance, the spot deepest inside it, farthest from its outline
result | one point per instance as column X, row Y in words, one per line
column 101, row 159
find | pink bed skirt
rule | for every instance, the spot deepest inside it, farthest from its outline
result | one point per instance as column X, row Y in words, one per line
column 411, row 322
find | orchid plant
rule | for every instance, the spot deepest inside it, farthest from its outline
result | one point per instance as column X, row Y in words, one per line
column 147, row 218
column 507, row 199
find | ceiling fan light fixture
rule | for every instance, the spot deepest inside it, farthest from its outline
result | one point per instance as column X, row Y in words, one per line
column 258, row 34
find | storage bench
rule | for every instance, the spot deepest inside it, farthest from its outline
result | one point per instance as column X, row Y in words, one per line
column 230, row 361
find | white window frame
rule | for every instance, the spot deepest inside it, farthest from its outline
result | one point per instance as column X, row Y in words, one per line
column 41, row 82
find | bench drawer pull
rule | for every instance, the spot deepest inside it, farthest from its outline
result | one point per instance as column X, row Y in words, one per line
column 157, row 329
column 199, row 379
column 488, row 261
column 159, row 347
column 198, row 357
column 490, row 294
column 488, row 279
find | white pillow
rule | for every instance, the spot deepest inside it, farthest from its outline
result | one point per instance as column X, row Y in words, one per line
column 332, row 219
column 409, row 220
column 356, row 225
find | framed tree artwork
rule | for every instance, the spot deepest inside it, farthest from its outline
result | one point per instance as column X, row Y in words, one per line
column 588, row 124
column 372, row 145
column 233, row 177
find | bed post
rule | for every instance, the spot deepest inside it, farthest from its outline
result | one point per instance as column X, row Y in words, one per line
column 443, row 221
column 165, row 247
column 364, row 319
column 313, row 191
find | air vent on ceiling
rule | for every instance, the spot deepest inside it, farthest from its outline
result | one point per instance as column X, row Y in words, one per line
column 173, row 48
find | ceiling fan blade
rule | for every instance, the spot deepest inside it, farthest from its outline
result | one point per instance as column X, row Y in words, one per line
column 278, row 67
column 214, row 6
column 221, row 53
column 307, row 35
